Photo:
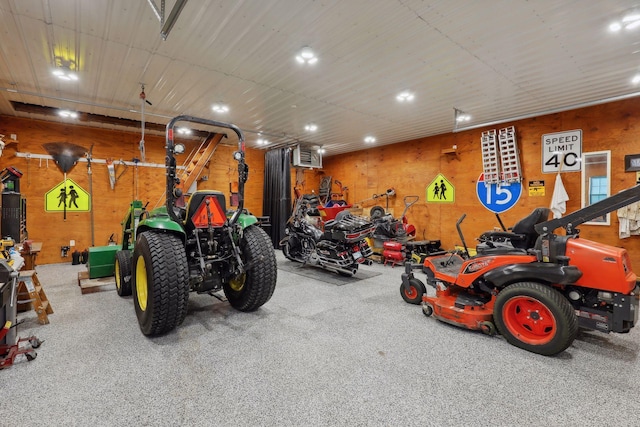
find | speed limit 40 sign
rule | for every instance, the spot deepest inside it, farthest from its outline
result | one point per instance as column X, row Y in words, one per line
column 562, row 151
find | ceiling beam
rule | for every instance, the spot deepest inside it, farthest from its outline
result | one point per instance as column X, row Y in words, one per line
column 171, row 19
column 97, row 118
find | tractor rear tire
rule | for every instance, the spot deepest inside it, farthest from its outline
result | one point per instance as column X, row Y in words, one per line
column 536, row 318
column 416, row 290
column 122, row 273
column 160, row 282
column 253, row 288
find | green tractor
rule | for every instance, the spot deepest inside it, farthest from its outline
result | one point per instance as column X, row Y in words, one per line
column 173, row 250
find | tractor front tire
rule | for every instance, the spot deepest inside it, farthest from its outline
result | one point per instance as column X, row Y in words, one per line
column 536, row 318
column 415, row 292
column 253, row 288
column 160, row 282
column 122, row 273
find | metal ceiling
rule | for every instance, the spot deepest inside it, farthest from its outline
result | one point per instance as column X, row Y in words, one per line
column 493, row 59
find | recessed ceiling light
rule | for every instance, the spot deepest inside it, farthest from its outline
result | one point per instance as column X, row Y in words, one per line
column 262, row 141
column 68, row 114
column 615, row 27
column 306, row 56
column 311, row 127
column 184, row 131
column 65, row 74
column 321, row 150
column 629, row 22
column 405, row 96
column 636, row 79
column 220, row 108
column 369, row 139
column 463, row 117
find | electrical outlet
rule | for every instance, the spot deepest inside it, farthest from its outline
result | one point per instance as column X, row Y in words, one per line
column 72, row 242
column 14, row 136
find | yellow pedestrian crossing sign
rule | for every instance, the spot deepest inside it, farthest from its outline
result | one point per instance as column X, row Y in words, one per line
column 67, row 196
column 441, row 190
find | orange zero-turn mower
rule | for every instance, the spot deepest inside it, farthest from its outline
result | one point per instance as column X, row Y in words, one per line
column 531, row 285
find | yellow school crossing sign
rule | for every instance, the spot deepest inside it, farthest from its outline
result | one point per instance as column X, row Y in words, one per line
column 441, row 190
column 67, row 196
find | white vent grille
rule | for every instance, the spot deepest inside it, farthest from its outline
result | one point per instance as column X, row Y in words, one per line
column 306, row 157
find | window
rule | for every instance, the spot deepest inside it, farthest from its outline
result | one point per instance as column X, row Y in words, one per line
column 596, row 181
column 598, row 186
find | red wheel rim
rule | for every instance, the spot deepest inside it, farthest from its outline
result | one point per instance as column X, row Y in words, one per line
column 412, row 293
column 529, row 320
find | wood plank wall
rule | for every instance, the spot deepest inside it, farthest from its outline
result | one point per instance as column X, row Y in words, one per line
column 410, row 166
column 109, row 205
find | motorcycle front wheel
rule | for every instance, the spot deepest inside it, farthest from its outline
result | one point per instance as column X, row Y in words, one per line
column 287, row 250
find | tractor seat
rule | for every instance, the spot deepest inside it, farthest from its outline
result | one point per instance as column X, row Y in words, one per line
column 196, row 199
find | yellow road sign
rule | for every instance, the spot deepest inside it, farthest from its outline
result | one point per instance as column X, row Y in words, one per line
column 69, row 196
column 441, row 190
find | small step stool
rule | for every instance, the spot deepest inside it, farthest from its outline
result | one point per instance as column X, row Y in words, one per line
column 28, row 283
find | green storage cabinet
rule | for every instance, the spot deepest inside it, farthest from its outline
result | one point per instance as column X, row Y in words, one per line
column 102, row 260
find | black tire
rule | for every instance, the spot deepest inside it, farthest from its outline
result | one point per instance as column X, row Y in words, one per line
column 160, row 282
column 286, row 250
column 376, row 212
column 536, row 318
column 427, row 309
column 415, row 292
column 254, row 288
column 122, row 273
column 488, row 328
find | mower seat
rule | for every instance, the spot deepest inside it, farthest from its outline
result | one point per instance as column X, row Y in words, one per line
column 522, row 236
column 526, row 228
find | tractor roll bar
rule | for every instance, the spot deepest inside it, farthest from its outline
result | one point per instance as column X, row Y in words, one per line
column 170, row 162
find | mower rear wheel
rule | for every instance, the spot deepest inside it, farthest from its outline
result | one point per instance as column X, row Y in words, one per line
column 160, row 282
column 415, row 292
column 122, row 273
column 250, row 290
column 535, row 317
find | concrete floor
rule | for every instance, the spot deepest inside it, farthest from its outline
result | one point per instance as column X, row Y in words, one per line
column 319, row 353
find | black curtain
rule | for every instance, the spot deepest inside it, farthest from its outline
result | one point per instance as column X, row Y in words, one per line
column 276, row 201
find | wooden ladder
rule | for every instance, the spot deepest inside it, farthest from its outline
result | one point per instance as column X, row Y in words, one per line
column 28, row 283
column 198, row 161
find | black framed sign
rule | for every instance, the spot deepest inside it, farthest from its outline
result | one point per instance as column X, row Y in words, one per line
column 632, row 162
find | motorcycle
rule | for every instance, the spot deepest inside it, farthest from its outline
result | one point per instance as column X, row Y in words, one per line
column 337, row 244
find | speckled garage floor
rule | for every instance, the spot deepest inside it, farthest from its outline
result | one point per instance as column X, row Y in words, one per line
column 319, row 353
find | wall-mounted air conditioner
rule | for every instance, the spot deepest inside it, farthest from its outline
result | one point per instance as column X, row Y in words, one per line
column 306, row 157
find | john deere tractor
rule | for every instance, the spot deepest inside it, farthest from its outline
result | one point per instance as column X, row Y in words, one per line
column 200, row 247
